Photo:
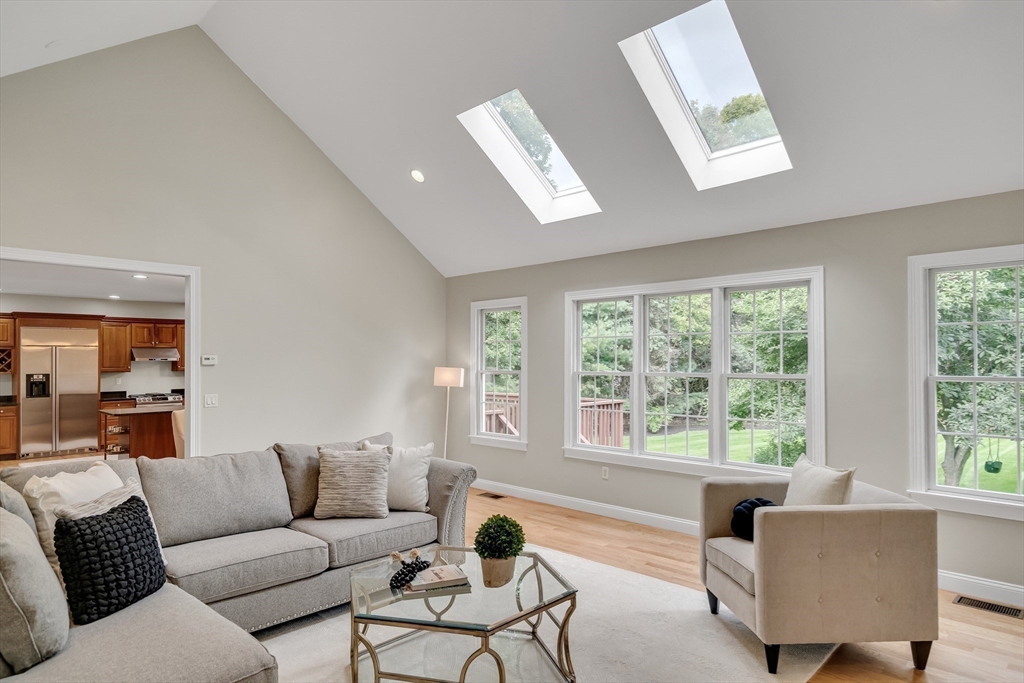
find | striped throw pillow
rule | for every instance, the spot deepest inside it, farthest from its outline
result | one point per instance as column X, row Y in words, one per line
column 352, row 484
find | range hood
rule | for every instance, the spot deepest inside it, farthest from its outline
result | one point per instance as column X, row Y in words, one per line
column 150, row 353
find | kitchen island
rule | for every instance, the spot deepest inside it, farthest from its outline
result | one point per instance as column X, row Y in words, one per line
column 149, row 427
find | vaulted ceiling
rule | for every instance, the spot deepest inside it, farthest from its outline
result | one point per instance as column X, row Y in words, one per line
column 881, row 105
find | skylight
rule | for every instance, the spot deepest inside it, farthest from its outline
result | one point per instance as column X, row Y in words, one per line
column 536, row 143
column 701, row 85
column 520, row 147
column 707, row 59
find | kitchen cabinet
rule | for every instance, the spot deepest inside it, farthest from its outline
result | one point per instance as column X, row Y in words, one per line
column 160, row 335
column 115, row 430
column 8, row 430
column 6, row 333
column 179, row 364
column 115, row 347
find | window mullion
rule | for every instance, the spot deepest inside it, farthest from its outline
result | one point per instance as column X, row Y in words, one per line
column 718, row 393
column 638, row 387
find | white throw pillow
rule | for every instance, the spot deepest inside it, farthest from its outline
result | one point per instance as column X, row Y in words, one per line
column 45, row 494
column 813, row 484
column 107, row 502
column 407, row 477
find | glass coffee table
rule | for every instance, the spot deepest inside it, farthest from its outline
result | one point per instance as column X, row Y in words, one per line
column 516, row 609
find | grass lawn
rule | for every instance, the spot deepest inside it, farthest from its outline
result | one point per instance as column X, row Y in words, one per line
column 739, row 449
column 988, row 449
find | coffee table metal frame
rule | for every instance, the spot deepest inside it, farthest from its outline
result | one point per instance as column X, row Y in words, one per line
column 561, row 659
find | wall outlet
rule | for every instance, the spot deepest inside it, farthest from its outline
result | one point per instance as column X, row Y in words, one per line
column 117, row 381
column 208, row 360
column 604, row 473
column 210, row 401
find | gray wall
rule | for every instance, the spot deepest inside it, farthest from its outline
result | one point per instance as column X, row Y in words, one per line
column 326, row 321
column 865, row 261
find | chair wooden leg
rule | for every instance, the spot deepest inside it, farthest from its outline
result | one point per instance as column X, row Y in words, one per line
column 713, row 602
column 921, row 649
column 771, row 653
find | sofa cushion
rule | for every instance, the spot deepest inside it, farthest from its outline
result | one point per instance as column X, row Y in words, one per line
column 219, row 568
column 208, row 497
column 301, row 466
column 12, row 501
column 33, row 614
column 812, row 484
column 357, row 540
column 735, row 557
column 170, row 637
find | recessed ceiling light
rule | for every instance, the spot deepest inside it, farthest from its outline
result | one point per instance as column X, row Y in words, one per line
column 113, row 296
column 140, row 277
column 417, row 176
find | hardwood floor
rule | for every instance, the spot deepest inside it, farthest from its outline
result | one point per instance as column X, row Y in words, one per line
column 973, row 645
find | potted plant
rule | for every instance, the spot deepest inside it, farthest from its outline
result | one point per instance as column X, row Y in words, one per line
column 498, row 541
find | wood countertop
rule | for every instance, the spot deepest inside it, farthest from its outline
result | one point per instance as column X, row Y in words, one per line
column 144, row 410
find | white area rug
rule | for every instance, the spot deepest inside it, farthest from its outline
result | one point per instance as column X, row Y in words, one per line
column 627, row 627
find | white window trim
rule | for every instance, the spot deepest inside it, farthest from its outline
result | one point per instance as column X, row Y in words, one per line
column 718, row 442
column 920, row 333
column 521, row 173
column 706, row 169
column 477, row 308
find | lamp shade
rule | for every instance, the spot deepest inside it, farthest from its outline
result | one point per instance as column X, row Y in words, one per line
column 449, row 377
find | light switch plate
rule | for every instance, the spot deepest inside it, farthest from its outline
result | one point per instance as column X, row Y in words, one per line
column 208, row 360
column 210, row 401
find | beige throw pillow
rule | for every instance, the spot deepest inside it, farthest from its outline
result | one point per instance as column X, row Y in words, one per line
column 352, row 484
column 813, row 484
column 407, row 476
column 45, row 494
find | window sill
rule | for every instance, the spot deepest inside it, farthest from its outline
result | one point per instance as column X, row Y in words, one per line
column 497, row 442
column 669, row 464
column 970, row 505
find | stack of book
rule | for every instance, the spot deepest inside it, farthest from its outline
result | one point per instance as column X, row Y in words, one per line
column 447, row 579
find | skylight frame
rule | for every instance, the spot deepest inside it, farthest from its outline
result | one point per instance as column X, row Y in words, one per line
column 685, row 106
column 514, row 141
column 706, row 169
column 497, row 141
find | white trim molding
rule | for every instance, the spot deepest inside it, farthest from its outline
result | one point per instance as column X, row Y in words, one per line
column 193, row 403
column 716, row 464
column 978, row 587
column 476, row 365
column 683, row 526
column 921, row 361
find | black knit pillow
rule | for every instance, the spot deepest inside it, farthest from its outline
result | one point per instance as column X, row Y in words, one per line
column 743, row 516
column 109, row 561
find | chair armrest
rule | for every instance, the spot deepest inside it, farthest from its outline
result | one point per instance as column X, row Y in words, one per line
column 719, row 495
column 447, row 492
column 846, row 573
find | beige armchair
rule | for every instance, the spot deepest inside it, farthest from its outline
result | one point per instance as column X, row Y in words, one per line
column 863, row 572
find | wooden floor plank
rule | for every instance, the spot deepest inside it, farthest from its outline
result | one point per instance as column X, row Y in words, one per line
column 973, row 645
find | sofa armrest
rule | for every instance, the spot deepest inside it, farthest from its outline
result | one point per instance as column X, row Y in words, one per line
column 719, row 495
column 447, row 492
column 846, row 573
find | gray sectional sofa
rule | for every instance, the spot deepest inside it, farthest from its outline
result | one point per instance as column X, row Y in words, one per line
column 243, row 552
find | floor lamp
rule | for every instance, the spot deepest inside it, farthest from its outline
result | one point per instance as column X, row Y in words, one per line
column 448, row 377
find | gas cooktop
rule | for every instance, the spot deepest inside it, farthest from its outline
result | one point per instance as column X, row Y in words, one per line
column 158, row 398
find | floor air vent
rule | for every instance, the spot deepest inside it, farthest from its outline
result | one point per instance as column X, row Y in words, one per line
column 488, row 494
column 1015, row 612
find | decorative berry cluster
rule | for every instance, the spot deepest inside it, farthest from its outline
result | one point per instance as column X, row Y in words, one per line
column 408, row 571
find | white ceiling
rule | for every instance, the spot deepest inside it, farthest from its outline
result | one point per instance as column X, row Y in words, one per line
column 37, row 32
column 20, row 277
column 881, row 105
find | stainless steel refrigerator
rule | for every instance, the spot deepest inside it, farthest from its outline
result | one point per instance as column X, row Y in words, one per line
column 59, row 372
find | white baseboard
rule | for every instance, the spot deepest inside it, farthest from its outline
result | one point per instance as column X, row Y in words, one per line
column 973, row 586
column 684, row 526
column 986, row 589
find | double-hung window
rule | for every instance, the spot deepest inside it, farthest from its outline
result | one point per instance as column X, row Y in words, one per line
column 966, row 380
column 498, row 373
column 702, row 376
